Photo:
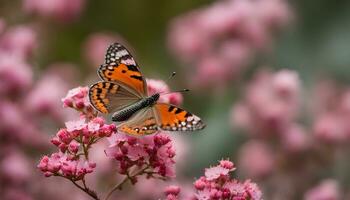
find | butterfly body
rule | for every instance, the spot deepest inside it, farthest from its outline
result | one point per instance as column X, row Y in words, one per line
column 125, row 113
column 123, row 91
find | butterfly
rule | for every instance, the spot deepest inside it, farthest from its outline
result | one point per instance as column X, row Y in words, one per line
column 123, row 92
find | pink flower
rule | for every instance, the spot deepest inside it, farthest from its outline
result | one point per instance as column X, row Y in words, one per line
column 217, row 184
column 172, row 190
column 330, row 129
column 78, row 99
column 270, row 104
column 16, row 167
column 95, row 47
column 159, row 86
column 153, row 152
column 19, row 41
column 45, row 96
column 61, row 164
column 327, row 189
column 61, row 10
column 256, row 159
column 216, row 172
column 295, row 139
column 220, row 40
column 76, row 125
column 15, row 74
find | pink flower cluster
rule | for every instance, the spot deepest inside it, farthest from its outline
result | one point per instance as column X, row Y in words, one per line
column 332, row 113
column 172, row 192
column 76, row 139
column 78, row 100
column 83, row 132
column 217, row 184
column 60, row 164
column 269, row 110
column 154, row 154
column 60, row 10
column 219, row 40
column 270, row 104
column 17, row 44
column 327, row 189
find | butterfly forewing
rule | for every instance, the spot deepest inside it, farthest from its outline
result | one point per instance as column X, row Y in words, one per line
column 120, row 67
column 172, row 118
column 107, row 97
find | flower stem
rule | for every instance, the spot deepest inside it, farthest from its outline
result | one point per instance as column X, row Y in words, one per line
column 120, row 185
column 86, row 190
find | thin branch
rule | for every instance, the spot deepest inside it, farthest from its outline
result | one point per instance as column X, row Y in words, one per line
column 120, row 185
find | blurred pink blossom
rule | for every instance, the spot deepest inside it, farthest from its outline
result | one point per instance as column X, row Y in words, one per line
column 326, row 190
column 219, row 40
column 172, row 192
column 15, row 74
column 256, row 159
column 295, row 139
column 15, row 167
column 159, row 86
column 45, row 96
column 270, row 104
column 332, row 113
column 60, row 10
column 95, row 46
column 20, row 40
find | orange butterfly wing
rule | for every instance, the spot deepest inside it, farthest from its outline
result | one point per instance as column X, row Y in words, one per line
column 121, row 67
column 172, row 118
column 142, row 123
column 108, row 96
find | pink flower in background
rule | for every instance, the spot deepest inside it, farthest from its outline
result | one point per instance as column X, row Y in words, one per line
column 270, row 104
column 20, row 40
column 295, row 139
column 256, row 159
column 12, row 119
column 44, row 98
column 331, row 113
column 172, row 192
column 159, row 86
column 15, row 74
column 219, row 40
column 15, row 167
column 60, row 10
column 326, row 190
column 95, row 47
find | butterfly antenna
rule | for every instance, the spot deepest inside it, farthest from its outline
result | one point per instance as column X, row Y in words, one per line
column 176, row 91
column 171, row 76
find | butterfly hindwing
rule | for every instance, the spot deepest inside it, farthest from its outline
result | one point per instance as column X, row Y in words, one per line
column 121, row 67
column 107, row 97
column 142, row 123
column 172, row 118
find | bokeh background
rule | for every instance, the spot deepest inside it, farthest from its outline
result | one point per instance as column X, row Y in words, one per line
column 269, row 78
